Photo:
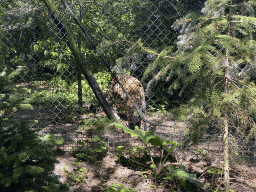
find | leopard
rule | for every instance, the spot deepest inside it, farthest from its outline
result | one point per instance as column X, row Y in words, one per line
column 120, row 103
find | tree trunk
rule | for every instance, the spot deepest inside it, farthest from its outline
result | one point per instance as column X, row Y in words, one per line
column 79, row 89
column 226, row 154
column 225, row 123
column 82, row 65
column 79, row 83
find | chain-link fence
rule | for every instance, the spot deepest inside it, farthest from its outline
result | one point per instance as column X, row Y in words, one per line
column 151, row 43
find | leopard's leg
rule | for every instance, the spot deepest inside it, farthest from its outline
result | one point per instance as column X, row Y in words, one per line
column 143, row 108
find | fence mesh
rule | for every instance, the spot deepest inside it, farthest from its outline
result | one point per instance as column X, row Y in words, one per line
column 131, row 36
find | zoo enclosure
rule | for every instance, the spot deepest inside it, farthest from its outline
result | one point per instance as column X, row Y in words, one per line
column 130, row 36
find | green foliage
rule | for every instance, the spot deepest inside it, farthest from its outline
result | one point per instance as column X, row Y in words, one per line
column 9, row 101
column 211, row 75
column 96, row 149
column 120, row 150
column 60, row 90
column 213, row 170
column 120, row 188
column 103, row 79
column 26, row 161
column 214, row 174
column 78, row 175
column 150, row 137
column 98, row 122
column 182, row 175
column 54, row 140
column 166, row 145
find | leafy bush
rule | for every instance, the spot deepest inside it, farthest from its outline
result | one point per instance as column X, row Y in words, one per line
column 26, row 161
column 167, row 147
column 97, row 151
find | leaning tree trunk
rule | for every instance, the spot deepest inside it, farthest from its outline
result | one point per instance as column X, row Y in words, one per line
column 82, row 65
column 79, row 82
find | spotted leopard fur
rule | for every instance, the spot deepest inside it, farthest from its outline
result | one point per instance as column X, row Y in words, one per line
column 119, row 100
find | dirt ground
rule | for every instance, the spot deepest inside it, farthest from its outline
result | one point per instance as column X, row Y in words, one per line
column 103, row 173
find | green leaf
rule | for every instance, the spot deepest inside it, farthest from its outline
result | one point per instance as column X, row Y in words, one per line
column 34, row 170
column 17, row 172
column 103, row 147
column 170, row 149
column 7, row 181
column 25, row 106
column 96, row 139
column 90, row 157
column 119, row 185
column 80, row 142
column 144, row 136
column 159, row 141
column 137, row 148
column 81, row 155
column 183, row 175
column 120, row 147
column 169, row 177
column 170, row 167
column 112, row 189
column 212, row 170
column 98, row 150
column 58, row 140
